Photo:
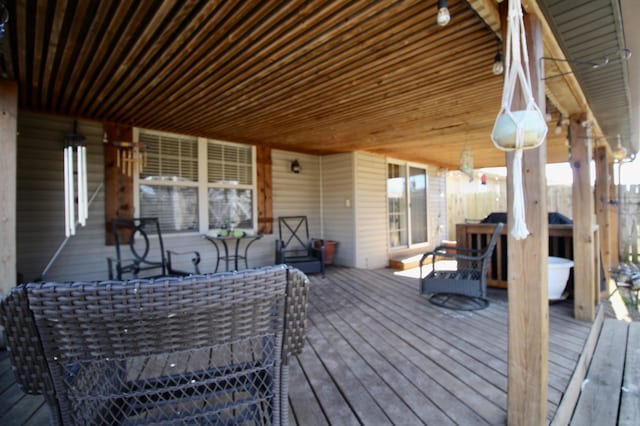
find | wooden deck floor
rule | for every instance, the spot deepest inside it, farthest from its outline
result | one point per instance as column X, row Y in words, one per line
column 379, row 353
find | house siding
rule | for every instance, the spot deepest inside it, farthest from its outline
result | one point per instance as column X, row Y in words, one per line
column 339, row 206
column 40, row 201
column 371, row 211
column 343, row 196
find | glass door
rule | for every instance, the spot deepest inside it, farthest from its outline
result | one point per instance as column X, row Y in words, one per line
column 407, row 205
column 418, row 204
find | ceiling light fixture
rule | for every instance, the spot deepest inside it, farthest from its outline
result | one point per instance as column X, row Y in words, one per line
column 559, row 126
column 619, row 152
column 443, row 13
column 498, row 66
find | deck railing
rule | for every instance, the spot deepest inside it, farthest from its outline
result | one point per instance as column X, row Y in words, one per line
column 477, row 235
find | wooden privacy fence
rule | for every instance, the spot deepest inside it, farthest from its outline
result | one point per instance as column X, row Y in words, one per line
column 629, row 220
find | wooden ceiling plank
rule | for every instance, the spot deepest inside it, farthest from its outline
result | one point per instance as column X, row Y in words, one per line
column 52, row 52
column 65, row 55
column 38, row 47
column 365, row 108
column 129, row 18
column 203, row 59
column 435, row 64
column 283, row 83
column 237, row 68
column 352, row 70
column 451, row 92
column 188, row 40
column 144, row 48
column 23, row 52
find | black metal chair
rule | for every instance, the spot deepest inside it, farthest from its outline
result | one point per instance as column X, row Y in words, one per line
column 462, row 284
column 294, row 246
column 139, row 256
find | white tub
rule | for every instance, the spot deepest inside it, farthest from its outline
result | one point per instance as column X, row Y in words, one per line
column 559, row 269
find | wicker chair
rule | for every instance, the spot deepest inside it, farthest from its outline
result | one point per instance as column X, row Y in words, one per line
column 206, row 349
column 463, row 285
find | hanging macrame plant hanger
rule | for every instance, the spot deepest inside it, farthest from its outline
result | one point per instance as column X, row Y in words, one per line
column 524, row 128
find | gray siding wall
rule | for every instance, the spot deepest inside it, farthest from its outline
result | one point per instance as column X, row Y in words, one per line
column 40, row 201
column 343, row 196
column 339, row 206
column 371, row 212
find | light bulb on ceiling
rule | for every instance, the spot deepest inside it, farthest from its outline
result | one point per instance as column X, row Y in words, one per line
column 619, row 152
column 559, row 126
column 443, row 13
column 498, row 66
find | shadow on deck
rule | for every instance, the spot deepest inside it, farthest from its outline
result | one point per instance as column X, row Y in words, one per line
column 377, row 352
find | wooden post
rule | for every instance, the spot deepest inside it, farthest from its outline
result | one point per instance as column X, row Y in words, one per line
column 118, row 186
column 602, row 198
column 614, row 235
column 265, row 199
column 583, row 220
column 527, row 260
column 8, row 171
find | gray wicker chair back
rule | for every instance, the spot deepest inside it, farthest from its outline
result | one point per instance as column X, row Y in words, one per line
column 296, row 248
column 140, row 251
column 461, row 284
column 203, row 349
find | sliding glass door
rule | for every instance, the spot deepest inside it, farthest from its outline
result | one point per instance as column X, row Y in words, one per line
column 407, row 204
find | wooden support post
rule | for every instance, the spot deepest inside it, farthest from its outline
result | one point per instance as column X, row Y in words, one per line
column 8, row 171
column 265, row 198
column 614, row 235
column 118, row 186
column 584, row 274
column 528, row 291
column 602, row 198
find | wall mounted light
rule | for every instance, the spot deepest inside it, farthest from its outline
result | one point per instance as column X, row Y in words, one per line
column 498, row 66
column 295, row 166
column 443, row 13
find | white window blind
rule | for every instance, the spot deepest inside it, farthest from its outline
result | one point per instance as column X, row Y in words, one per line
column 170, row 157
column 229, row 163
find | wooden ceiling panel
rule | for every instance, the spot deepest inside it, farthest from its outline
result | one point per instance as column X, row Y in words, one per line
column 317, row 76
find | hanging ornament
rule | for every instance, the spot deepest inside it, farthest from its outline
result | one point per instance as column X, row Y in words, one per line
column 521, row 129
column 466, row 162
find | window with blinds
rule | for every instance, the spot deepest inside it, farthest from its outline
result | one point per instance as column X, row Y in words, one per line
column 230, row 185
column 169, row 187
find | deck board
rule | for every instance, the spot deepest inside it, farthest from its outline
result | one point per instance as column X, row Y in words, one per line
column 600, row 397
column 377, row 352
column 630, row 404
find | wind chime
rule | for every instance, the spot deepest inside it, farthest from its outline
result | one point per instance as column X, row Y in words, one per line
column 521, row 129
column 131, row 157
column 74, row 150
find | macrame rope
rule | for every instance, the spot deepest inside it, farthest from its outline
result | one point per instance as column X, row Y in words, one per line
column 516, row 73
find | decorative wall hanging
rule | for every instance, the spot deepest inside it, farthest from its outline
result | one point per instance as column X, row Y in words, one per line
column 131, row 157
column 71, row 208
column 521, row 129
column 466, row 162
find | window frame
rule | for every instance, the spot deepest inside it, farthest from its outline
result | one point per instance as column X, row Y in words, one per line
column 202, row 184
